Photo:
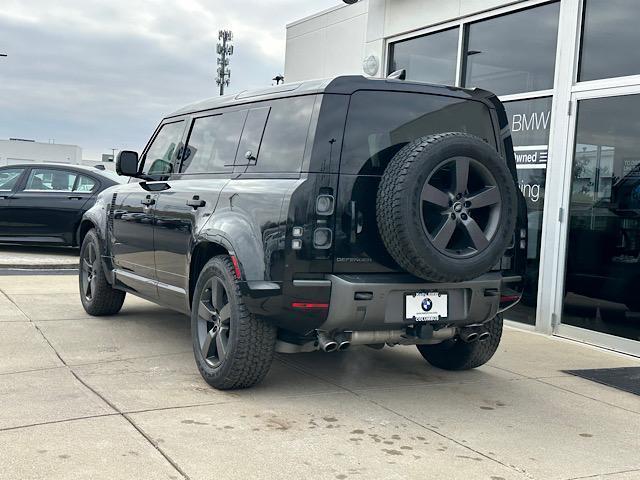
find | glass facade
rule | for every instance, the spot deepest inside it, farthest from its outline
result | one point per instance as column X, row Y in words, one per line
column 430, row 58
column 513, row 53
column 530, row 122
column 610, row 37
column 603, row 249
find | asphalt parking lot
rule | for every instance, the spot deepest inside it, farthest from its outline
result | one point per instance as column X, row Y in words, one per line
column 120, row 397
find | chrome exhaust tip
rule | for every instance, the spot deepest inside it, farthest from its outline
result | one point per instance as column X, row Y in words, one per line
column 327, row 344
column 343, row 340
column 483, row 336
column 469, row 335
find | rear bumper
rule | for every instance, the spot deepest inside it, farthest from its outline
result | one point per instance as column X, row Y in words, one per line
column 371, row 302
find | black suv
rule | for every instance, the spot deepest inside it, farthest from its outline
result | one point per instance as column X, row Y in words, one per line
column 318, row 215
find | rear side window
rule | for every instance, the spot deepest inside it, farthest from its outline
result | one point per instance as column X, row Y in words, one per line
column 381, row 123
column 9, row 177
column 41, row 179
column 285, row 136
column 213, row 143
column 252, row 136
column 84, row 184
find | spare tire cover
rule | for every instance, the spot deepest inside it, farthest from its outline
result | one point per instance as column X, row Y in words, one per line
column 446, row 207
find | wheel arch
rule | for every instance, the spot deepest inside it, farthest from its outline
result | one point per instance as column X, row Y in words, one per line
column 204, row 251
column 83, row 229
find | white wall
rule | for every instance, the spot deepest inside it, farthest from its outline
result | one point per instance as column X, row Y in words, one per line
column 12, row 152
column 327, row 44
column 405, row 15
column 336, row 41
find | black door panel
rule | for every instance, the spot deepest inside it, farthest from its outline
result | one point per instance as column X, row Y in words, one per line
column 179, row 214
column 132, row 236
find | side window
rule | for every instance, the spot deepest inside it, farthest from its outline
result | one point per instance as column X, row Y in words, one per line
column 85, row 184
column 251, row 136
column 41, row 179
column 159, row 158
column 213, row 143
column 285, row 136
column 9, row 178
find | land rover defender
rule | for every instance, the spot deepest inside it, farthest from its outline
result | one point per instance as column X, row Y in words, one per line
column 316, row 216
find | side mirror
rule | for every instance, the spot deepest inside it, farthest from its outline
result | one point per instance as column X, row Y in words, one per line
column 127, row 163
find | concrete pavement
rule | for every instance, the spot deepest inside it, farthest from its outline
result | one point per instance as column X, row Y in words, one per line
column 38, row 258
column 121, row 398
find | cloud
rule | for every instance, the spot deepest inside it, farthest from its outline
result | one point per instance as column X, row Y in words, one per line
column 102, row 74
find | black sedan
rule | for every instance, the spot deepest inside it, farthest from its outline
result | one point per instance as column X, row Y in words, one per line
column 43, row 203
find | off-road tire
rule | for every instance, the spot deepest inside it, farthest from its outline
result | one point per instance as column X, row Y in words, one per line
column 252, row 340
column 399, row 211
column 104, row 299
column 456, row 354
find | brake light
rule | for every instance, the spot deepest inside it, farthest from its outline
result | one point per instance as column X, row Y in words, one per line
column 509, row 298
column 307, row 305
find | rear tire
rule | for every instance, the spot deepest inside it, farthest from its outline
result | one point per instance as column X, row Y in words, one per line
column 97, row 296
column 456, row 354
column 233, row 349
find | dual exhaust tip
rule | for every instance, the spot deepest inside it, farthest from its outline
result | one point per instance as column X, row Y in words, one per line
column 340, row 342
column 472, row 334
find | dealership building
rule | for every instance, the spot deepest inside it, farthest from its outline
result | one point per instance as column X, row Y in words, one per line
column 568, row 73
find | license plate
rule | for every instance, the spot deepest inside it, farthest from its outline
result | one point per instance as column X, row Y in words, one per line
column 425, row 306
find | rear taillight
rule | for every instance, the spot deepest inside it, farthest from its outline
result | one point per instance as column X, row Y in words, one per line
column 320, row 234
column 324, row 205
column 322, row 238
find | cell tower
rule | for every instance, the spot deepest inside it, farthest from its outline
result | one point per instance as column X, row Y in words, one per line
column 224, row 50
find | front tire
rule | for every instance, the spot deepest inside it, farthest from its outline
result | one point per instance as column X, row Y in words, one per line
column 97, row 296
column 233, row 349
column 456, row 354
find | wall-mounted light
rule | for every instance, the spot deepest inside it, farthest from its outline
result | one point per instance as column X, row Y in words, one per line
column 370, row 65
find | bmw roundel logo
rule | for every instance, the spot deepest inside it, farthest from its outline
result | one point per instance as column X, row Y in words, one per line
column 427, row 304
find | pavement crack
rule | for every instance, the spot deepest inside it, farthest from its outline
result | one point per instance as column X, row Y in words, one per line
column 53, row 422
column 600, row 475
column 134, row 425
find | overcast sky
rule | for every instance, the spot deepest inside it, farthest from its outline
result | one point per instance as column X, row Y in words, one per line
column 101, row 74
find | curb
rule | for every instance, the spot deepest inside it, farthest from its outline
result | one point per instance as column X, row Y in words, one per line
column 39, row 266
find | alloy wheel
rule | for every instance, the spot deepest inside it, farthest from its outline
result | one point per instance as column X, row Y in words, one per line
column 214, row 319
column 461, row 207
column 88, row 270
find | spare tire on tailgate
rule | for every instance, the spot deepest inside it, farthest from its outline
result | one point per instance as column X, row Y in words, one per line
column 446, row 207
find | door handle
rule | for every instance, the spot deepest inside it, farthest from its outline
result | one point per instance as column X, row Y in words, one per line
column 196, row 203
column 148, row 201
column 74, row 197
column 4, row 197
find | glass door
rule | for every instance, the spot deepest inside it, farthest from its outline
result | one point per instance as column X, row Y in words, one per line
column 600, row 301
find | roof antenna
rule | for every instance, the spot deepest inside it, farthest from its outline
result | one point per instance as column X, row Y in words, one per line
column 398, row 74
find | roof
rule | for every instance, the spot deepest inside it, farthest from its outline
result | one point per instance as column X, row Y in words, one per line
column 345, row 85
